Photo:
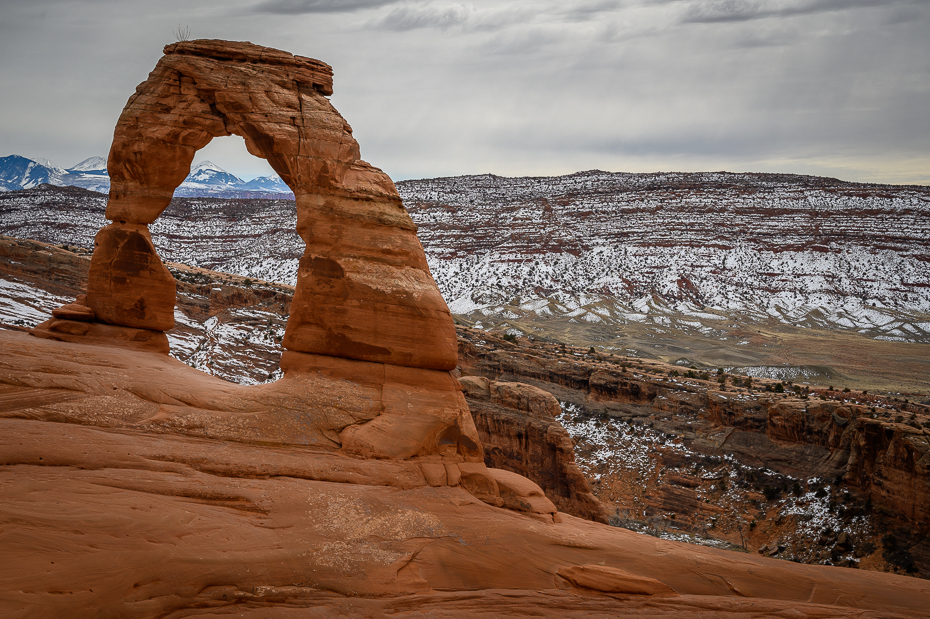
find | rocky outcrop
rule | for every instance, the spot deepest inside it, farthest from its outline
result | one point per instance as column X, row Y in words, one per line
column 135, row 486
column 363, row 292
column 366, row 320
column 519, row 428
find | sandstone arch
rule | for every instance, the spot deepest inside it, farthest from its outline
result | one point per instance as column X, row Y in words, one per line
column 369, row 342
column 364, row 290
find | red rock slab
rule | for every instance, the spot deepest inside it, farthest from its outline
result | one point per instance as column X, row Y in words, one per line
column 492, row 603
column 82, row 332
column 535, row 401
column 74, row 311
column 364, row 409
column 613, row 580
column 305, row 70
column 103, row 522
column 521, row 494
column 421, row 412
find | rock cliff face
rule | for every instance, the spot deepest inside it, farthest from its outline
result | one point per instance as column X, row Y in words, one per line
column 687, row 453
column 519, row 428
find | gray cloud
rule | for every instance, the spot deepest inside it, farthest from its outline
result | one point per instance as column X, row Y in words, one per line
column 301, row 7
column 406, row 18
column 745, row 10
column 470, row 18
column 439, row 87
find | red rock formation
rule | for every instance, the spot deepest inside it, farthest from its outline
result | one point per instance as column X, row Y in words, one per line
column 134, row 486
column 364, row 290
column 129, row 285
column 366, row 320
column 518, row 426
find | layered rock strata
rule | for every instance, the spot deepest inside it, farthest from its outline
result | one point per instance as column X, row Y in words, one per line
column 880, row 457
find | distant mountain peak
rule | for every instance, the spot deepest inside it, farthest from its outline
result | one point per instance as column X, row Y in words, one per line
column 48, row 164
column 207, row 165
column 91, row 164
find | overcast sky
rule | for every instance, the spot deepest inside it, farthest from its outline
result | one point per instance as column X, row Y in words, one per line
column 435, row 88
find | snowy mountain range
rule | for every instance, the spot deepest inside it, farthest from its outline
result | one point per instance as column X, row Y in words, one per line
column 18, row 172
column 595, row 252
column 205, row 179
column 209, row 180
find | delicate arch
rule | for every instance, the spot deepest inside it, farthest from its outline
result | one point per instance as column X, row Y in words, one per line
column 364, row 290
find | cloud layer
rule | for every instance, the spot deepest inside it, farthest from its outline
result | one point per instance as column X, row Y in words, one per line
column 834, row 87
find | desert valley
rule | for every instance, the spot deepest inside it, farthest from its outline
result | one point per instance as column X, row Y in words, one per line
column 326, row 394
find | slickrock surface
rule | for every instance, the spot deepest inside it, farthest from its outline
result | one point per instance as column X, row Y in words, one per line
column 134, row 486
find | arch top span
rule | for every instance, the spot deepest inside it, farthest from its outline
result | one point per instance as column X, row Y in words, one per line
column 364, row 290
column 309, row 71
column 274, row 100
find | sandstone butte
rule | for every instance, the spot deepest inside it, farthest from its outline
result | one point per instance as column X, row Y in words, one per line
column 135, row 486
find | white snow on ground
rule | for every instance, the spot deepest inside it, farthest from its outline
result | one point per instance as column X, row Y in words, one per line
column 25, row 305
column 602, row 248
column 612, row 447
column 650, row 247
column 223, row 346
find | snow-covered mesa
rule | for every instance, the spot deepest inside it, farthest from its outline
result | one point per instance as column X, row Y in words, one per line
column 598, row 247
column 603, row 250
